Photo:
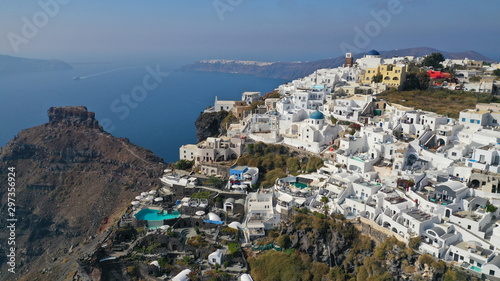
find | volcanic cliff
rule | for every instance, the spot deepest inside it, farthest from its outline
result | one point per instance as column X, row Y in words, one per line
column 72, row 180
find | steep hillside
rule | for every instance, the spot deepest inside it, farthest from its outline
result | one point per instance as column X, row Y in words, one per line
column 72, row 179
column 12, row 65
column 209, row 124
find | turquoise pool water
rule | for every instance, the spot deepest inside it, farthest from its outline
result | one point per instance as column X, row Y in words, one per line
column 475, row 268
column 152, row 215
column 299, row 185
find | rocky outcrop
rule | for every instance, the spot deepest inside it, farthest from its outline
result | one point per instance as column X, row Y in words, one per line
column 209, row 124
column 358, row 249
column 75, row 116
column 315, row 237
column 70, row 176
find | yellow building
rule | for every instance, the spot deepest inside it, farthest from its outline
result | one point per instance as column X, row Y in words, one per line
column 392, row 75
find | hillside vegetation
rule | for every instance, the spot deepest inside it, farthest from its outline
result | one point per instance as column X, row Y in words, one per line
column 274, row 160
column 442, row 101
column 330, row 248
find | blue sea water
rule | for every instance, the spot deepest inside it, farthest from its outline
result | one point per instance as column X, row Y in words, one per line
column 161, row 120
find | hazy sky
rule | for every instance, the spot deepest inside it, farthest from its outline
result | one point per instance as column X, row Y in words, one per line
column 268, row 30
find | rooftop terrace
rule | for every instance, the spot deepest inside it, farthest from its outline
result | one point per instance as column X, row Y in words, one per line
column 419, row 215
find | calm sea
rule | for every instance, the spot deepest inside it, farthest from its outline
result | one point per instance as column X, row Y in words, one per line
column 161, row 118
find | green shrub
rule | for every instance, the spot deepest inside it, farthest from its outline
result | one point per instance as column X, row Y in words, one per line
column 184, row 164
column 284, row 241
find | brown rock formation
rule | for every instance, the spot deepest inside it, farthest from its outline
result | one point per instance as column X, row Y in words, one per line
column 70, row 175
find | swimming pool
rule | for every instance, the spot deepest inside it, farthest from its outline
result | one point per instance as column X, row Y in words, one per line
column 154, row 215
column 475, row 268
column 299, row 185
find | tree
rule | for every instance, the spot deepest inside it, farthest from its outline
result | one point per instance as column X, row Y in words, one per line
column 215, row 182
column 454, row 275
column 423, row 80
column 496, row 72
column 490, row 208
column 284, row 241
column 314, row 164
column 184, row 164
column 377, row 78
column 271, row 177
column 433, row 60
column 362, row 274
column 325, row 201
column 326, row 209
column 397, row 134
column 293, row 164
column 233, row 248
column 474, row 78
column 414, row 242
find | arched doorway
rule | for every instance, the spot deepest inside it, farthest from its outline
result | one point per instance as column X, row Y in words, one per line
column 441, row 142
column 474, row 184
column 412, row 158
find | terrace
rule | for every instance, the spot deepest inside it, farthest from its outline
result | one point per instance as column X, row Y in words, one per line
column 436, row 198
column 468, row 215
column 395, row 200
column 419, row 215
column 356, row 199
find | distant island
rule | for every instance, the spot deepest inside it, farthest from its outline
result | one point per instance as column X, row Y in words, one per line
column 294, row 70
column 12, row 65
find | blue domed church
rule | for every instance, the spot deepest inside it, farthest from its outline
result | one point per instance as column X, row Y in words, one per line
column 313, row 134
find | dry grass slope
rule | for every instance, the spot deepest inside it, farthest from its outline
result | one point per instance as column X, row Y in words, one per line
column 445, row 102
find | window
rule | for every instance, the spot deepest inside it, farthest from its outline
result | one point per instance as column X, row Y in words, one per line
column 478, row 121
column 492, row 272
column 468, row 227
column 463, row 119
column 472, row 120
column 453, row 154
